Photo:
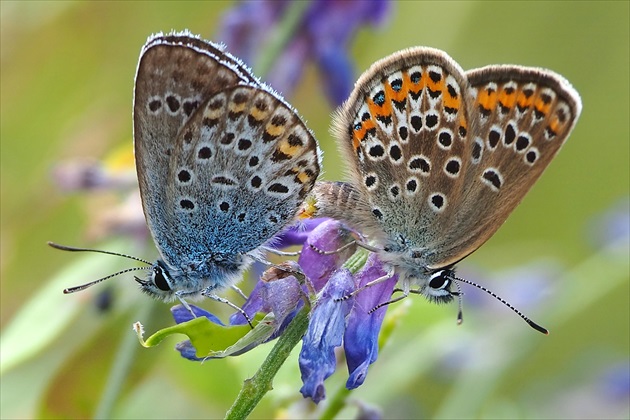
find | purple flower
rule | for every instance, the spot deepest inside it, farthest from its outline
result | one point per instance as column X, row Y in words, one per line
column 349, row 321
column 323, row 35
column 247, row 25
column 88, row 175
column 322, row 254
column 335, row 318
column 181, row 314
column 277, row 291
column 325, row 333
column 116, row 174
column 612, row 225
column 615, row 382
column 363, row 327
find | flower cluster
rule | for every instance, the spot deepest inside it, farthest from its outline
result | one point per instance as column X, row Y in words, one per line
column 336, row 317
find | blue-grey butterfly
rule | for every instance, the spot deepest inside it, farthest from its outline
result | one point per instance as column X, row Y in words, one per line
column 438, row 158
column 223, row 164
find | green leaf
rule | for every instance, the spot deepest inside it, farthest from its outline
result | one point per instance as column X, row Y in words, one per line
column 213, row 340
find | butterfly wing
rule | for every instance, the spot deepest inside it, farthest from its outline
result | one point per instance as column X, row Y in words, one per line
column 522, row 117
column 183, row 188
column 404, row 127
column 417, row 140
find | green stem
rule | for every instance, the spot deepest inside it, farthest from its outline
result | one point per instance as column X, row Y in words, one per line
column 280, row 37
column 255, row 388
column 336, row 404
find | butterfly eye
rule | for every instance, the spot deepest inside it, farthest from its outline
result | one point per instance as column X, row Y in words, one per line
column 160, row 281
column 440, row 280
column 416, row 254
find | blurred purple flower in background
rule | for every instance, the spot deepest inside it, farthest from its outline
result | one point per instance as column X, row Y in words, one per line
column 115, row 173
column 611, row 225
column 615, row 382
column 323, row 34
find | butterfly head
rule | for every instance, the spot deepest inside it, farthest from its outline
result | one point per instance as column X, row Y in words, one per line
column 411, row 263
column 439, row 286
column 159, row 283
column 191, row 280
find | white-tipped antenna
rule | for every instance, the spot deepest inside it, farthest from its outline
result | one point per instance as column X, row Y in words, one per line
column 460, row 310
column 491, row 293
column 92, row 283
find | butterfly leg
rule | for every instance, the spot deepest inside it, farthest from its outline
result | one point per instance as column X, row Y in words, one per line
column 458, row 293
column 376, row 281
column 289, row 269
column 389, row 302
column 240, row 292
column 208, row 293
column 281, row 253
column 322, row 252
column 185, row 304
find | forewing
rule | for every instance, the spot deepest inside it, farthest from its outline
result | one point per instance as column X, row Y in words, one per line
column 177, row 76
column 404, row 129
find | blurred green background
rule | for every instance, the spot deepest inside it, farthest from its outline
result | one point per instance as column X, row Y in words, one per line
column 66, row 94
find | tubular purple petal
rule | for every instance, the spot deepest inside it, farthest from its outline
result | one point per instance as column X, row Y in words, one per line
column 296, row 235
column 361, row 335
column 338, row 73
column 252, row 305
column 325, row 332
column 327, row 236
column 187, row 351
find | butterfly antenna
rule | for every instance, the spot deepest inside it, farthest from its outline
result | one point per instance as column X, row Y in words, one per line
column 460, row 311
column 92, row 283
column 100, row 251
column 497, row 297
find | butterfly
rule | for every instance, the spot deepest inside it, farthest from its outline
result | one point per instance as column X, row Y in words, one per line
column 438, row 158
column 223, row 165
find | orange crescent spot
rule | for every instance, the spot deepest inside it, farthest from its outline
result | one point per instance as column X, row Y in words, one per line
column 287, row 149
column 541, row 106
column 436, row 86
column 377, row 110
column 463, row 122
column 507, row 99
column 523, row 101
column 303, row 177
column 359, row 134
column 417, row 87
column 213, row 114
column 275, row 130
column 555, row 125
column 450, row 101
column 406, row 85
column 258, row 114
column 486, row 99
column 234, row 107
column 400, row 95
